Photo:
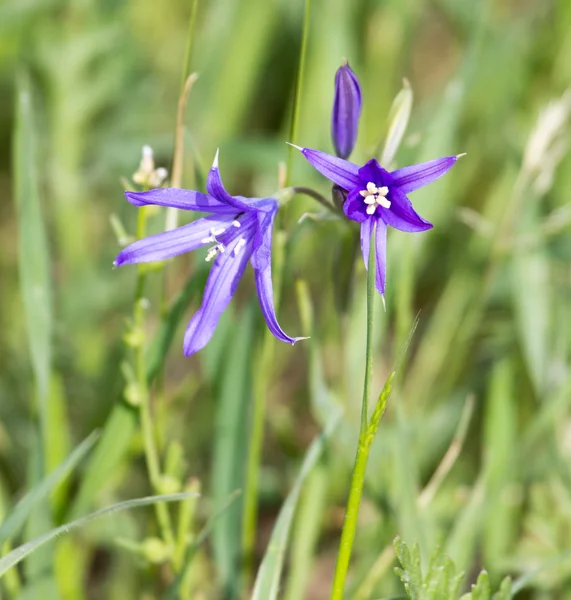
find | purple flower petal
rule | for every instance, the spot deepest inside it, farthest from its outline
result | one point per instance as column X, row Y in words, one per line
column 346, row 111
column 380, row 249
column 226, row 272
column 344, row 173
column 262, row 263
column 366, row 232
column 401, row 215
column 216, row 188
column 373, row 172
column 177, row 198
column 171, row 243
column 355, row 208
column 381, row 256
column 411, row 178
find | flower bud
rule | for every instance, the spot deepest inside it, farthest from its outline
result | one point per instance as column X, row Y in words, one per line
column 346, row 111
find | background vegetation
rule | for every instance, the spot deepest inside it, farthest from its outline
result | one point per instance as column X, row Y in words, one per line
column 474, row 451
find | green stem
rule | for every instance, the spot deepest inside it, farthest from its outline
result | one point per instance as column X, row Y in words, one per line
column 151, row 452
column 298, row 90
column 189, row 41
column 358, row 477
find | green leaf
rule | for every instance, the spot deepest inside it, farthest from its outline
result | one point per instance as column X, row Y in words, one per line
column 229, row 449
column 481, row 590
column 17, row 518
column 18, row 554
column 410, row 574
column 269, row 573
column 32, row 244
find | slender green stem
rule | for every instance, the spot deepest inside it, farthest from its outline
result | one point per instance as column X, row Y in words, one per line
column 261, row 384
column 299, row 189
column 298, row 90
column 189, row 43
column 151, row 452
column 358, row 477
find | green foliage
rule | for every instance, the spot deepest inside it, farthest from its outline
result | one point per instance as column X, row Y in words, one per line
column 441, row 580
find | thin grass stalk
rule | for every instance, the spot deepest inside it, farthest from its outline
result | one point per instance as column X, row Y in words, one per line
column 151, row 451
column 358, row 477
column 298, row 91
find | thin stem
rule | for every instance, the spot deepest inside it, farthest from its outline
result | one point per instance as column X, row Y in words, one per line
column 299, row 189
column 151, row 452
column 358, row 477
column 298, row 90
column 189, row 42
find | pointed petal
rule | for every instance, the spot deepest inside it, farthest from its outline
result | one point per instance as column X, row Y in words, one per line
column 177, row 198
column 401, row 215
column 381, row 256
column 216, row 188
column 366, row 232
column 354, row 207
column 339, row 171
column 171, row 243
column 262, row 263
column 373, row 172
column 226, row 272
column 411, row 178
column 346, row 111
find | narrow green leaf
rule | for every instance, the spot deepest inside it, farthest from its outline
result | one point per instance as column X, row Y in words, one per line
column 14, row 522
column 229, row 450
column 269, row 573
column 32, row 244
column 18, row 554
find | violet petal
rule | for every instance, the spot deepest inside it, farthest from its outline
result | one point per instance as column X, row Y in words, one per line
column 222, row 282
column 401, row 215
column 355, row 207
column 177, row 198
column 411, row 178
column 342, row 172
column 171, row 243
column 262, row 262
column 381, row 256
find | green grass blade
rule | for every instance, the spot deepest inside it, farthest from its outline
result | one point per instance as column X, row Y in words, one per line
column 229, row 450
column 32, row 244
column 17, row 518
column 269, row 573
column 18, row 554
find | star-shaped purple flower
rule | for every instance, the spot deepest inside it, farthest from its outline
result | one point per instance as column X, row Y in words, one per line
column 377, row 198
column 238, row 230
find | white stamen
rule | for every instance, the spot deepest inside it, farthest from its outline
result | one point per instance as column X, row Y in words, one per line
column 211, row 254
column 207, row 240
column 216, row 232
column 375, row 196
column 236, row 223
column 221, row 248
column 238, row 248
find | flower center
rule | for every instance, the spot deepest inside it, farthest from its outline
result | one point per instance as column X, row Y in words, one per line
column 219, row 247
column 375, row 196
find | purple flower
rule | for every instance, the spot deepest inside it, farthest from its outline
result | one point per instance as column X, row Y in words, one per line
column 238, row 230
column 346, row 111
column 378, row 198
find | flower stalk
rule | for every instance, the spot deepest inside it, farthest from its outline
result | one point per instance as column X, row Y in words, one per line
column 367, row 434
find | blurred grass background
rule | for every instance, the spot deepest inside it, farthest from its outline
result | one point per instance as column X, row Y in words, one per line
column 492, row 282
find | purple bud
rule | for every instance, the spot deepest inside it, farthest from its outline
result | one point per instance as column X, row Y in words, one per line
column 346, row 111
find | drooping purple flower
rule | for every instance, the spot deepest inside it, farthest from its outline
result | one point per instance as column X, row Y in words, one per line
column 377, row 197
column 346, row 111
column 238, row 230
